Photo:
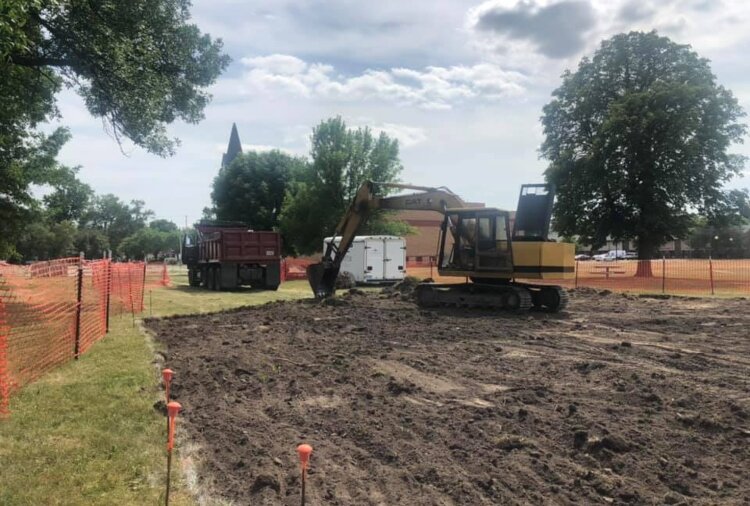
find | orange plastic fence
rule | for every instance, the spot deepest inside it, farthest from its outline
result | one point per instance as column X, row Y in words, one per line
column 295, row 268
column 670, row 276
column 52, row 312
column 157, row 275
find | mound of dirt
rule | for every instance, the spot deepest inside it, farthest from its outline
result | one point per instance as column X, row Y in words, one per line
column 404, row 287
column 450, row 407
column 345, row 280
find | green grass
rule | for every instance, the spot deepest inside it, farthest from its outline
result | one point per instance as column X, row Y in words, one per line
column 182, row 299
column 86, row 433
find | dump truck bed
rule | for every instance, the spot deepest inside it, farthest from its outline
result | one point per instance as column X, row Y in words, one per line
column 239, row 246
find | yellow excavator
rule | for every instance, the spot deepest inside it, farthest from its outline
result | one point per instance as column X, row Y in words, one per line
column 475, row 243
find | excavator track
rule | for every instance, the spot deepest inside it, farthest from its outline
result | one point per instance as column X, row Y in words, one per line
column 515, row 297
column 551, row 299
column 475, row 295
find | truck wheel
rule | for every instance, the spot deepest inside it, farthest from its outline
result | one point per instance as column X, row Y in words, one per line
column 193, row 279
column 210, row 278
column 217, row 279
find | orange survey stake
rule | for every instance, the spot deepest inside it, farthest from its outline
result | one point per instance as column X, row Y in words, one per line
column 173, row 408
column 167, row 375
column 304, row 451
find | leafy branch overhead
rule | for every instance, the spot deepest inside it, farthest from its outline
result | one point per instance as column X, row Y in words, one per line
column 139, row 64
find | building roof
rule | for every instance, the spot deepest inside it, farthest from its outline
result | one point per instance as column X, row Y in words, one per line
column 234, row 147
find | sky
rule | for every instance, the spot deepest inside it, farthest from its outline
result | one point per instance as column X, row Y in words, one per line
column 461, row 84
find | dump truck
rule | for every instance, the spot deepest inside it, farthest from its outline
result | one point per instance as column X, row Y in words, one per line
column 476, row 244
column 226, row 255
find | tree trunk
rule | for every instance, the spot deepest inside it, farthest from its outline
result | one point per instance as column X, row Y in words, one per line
column 644, row 269
column 645, row 253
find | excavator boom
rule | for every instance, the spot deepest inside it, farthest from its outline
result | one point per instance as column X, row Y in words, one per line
column 322, row 276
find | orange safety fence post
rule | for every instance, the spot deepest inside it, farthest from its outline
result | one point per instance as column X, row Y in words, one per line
column 130, row 294
column 4, row 376
column 173, row 408
column 143, row 286
column 304, row 451
column 166, row 376
column 711, row 273
column 109, row 291
column 79, row 308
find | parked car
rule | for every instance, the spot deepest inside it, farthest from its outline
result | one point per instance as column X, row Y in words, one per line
column 611, row 256
column 583, row 256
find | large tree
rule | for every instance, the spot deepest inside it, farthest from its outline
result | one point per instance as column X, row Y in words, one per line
column 70, row 197
column 115, row 219
column 638, row 137
column 342, row 159
column 252, row 188
column 149, row 241
column 163, row 225
column 139, row 65
column 38, row 166
column 41, row 240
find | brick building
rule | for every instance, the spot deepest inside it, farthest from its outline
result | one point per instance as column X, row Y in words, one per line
column 422, row 246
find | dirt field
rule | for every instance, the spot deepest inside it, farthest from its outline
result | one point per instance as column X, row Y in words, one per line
column 618, row 400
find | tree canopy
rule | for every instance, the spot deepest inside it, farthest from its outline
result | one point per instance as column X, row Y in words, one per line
column 70, row 197
column 342, row 159
column 252, row 188
column 115, row 219
column 150, row 241
column 38, row 166
column 139, row 65
column 163, row 225
column 638, row 139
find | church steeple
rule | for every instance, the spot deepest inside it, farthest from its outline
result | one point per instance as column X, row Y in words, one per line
column 233, row 149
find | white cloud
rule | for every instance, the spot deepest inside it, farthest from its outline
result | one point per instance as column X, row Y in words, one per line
column 407, row 136
column 685, row 21
column 428, row 88
column 266, row 147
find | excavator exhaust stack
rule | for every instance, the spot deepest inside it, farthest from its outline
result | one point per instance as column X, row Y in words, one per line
column 322, row 277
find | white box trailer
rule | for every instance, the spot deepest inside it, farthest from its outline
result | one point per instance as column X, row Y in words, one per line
column 374, row 258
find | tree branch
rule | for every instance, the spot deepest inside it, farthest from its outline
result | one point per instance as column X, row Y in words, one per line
column 40, row 61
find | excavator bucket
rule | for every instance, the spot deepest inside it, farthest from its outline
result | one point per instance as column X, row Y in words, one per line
column 322, row 278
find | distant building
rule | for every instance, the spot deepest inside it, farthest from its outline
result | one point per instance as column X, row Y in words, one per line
column 233, row 149
column 422, row 246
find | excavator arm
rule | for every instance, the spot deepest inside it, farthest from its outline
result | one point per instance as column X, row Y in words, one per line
column 322, row 276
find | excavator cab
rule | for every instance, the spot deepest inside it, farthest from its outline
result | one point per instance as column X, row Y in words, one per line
column 476, row 241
